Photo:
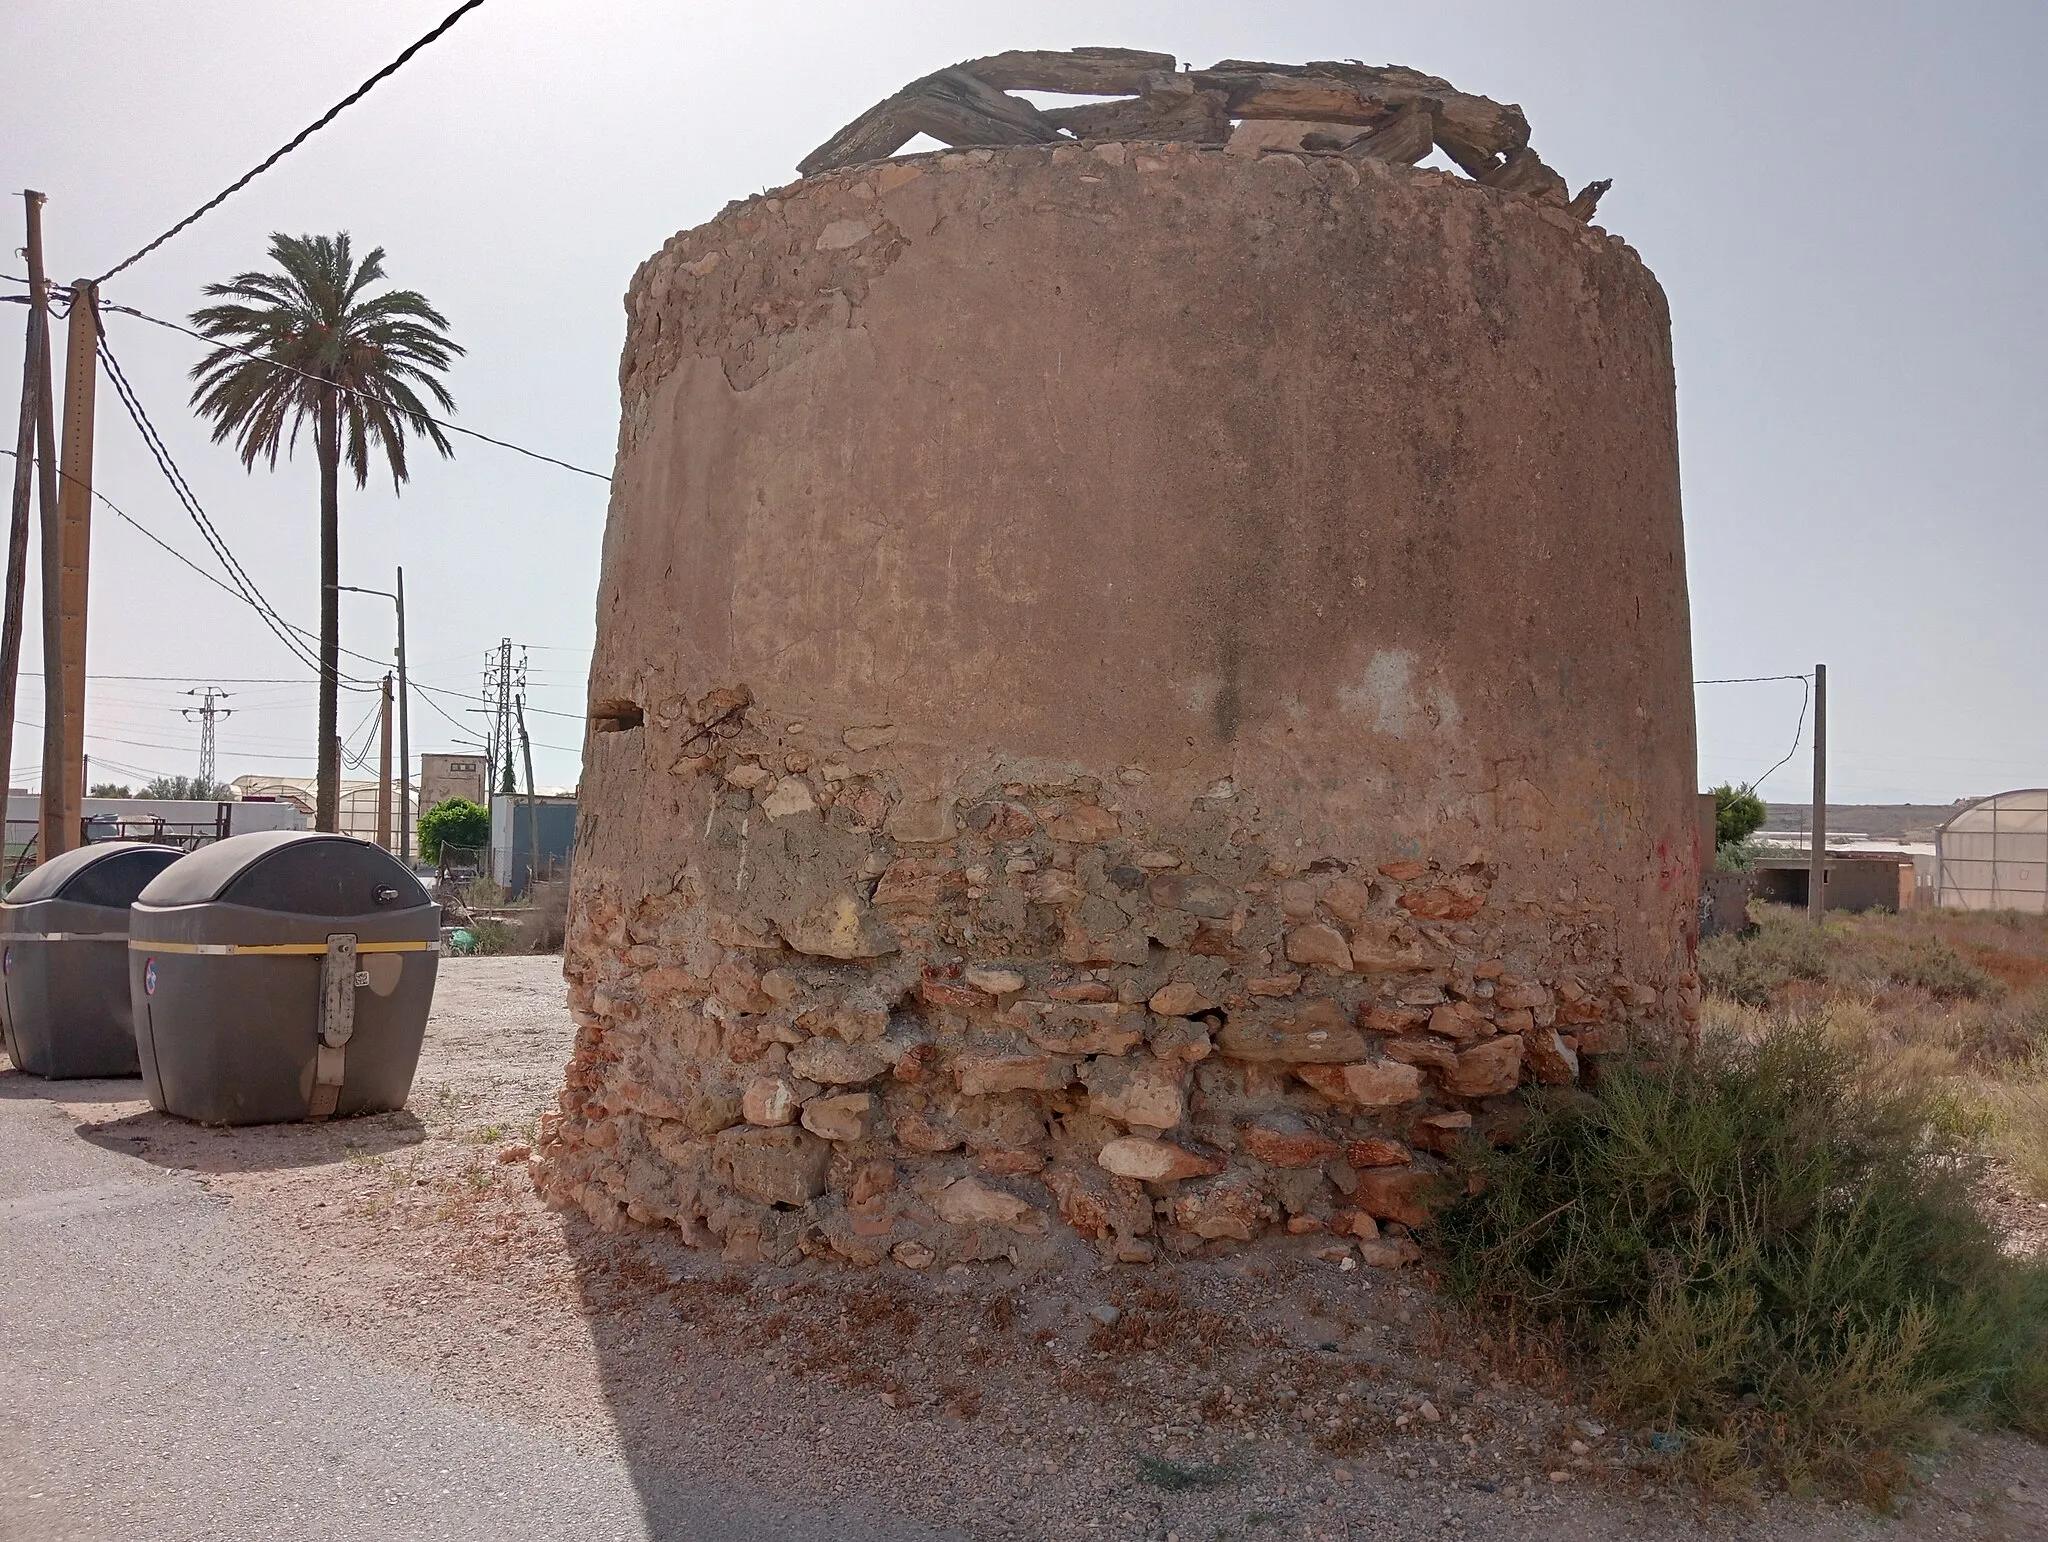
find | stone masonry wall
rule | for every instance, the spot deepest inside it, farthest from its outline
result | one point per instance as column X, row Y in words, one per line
column 1141, row 692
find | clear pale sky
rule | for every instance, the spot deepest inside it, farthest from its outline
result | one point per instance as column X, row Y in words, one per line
column 1843, row 201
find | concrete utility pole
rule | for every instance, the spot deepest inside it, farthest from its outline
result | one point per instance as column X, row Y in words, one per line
column 1817, row 871
column 35, row 416
column 207, row 710
column 384, row 770
column 532, row 803
column 405, row 810
column 67, row 552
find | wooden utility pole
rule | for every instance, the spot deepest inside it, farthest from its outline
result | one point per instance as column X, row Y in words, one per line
column 66, row 569
column 1817, row 871
column 405, row 809
column 532, row 803
column 35, row 364
column 384, row 770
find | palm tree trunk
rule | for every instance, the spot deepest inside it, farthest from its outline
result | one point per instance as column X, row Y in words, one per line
column 327, row 797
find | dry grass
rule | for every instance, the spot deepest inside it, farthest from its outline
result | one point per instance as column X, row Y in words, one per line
column 1952, row 1002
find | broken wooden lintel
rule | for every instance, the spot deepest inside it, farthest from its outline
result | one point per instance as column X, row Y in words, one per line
column 952, row 106
column 873, row 136
column 1193, row 117
column 1588, row 199
column 1364, row 94
column 1401, row 140
column 958, row 109
column 1523, row 172
column 1077, row 72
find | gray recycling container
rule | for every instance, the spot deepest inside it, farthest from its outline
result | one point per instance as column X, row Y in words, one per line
column 64, row 1003
column 282, row 975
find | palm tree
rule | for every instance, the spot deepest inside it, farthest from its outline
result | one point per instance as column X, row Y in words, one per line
column 309, row 341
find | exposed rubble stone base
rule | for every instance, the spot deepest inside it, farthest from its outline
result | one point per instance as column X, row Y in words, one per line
column 1161, row 1036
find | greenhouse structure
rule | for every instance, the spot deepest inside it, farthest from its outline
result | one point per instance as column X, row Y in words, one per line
column 1994, row 854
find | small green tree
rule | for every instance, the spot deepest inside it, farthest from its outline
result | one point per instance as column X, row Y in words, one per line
column 110, row 790
column 453, row 822
column 1738, row 814
column 191, row 788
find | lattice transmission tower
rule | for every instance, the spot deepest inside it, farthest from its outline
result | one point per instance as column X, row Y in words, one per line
column 206, row 712
column 504, row 683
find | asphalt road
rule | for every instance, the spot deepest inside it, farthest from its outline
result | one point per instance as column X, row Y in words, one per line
column 145, row 1392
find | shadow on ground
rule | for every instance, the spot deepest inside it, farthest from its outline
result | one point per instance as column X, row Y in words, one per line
column 20, row 1085
column 113, row 1113
column 710, row 1390
column 166, row 1142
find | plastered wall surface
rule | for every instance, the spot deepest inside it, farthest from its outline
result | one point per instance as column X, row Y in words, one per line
column 1141, row 693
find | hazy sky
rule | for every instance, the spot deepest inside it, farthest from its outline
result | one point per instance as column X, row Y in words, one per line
column 1843, row 201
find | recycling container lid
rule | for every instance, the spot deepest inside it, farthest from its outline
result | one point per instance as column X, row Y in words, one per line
column 295, row 872
column 111, row 873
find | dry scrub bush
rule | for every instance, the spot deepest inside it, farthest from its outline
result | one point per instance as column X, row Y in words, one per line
column 1770, row 1250
column 1954, row 1002
column 1785, row 948
column 545, row 925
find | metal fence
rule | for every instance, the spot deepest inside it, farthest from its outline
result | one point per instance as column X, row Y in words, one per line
column 24, row 836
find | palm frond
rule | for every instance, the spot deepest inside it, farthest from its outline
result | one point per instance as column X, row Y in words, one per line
column 371, row 354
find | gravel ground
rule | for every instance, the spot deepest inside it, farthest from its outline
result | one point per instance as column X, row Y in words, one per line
column 1276, row 1395
column 150, row 1386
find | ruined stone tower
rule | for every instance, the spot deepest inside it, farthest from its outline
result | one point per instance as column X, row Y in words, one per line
column 1142, row 685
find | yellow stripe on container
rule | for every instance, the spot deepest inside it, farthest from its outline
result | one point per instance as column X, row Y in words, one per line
column 302, row 948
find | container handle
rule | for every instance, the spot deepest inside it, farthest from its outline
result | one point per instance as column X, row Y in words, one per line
column 337, row 1023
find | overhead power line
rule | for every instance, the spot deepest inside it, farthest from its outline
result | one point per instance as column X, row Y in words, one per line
column 150, row 535
column 296, row 638
column 1751, row 679
column 359, row 757
column 300, row 138
column 160, row 452
column 442, row 690
column 1805, row 701
column 179, row 749
column 417, row 417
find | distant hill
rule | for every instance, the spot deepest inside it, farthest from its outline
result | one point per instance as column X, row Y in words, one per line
column 1880, row 821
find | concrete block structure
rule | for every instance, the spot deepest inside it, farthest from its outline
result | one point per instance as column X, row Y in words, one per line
column 1141, row 693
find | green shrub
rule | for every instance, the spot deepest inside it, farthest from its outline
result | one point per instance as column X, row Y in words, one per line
column 1940, row 970
column 1740, row 856
column 493, row 936
column 453, row 822
column 2021, row 1397
column 1738, row 814
column 1765, row 1251
column 1752, row 968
